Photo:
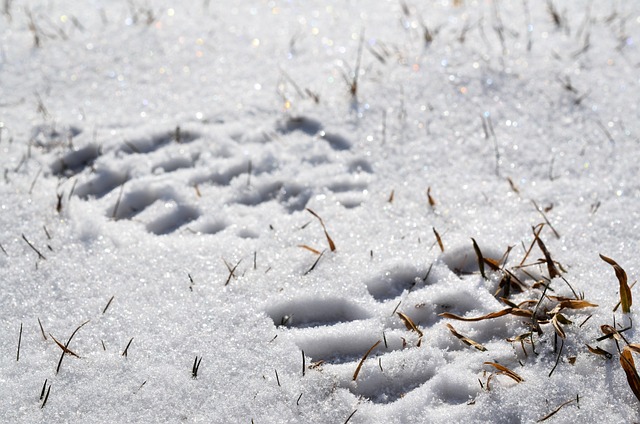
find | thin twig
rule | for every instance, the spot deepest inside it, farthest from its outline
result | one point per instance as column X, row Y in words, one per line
column 67, row 344
column 19, row 342
column 40, row 255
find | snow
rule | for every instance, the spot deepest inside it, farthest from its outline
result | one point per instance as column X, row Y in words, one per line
column 168, row 168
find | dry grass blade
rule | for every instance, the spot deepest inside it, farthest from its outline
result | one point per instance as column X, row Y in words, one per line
column 572, row 304
column 555, row 411
column 609, row 331
column 615, row 308
column 309, row 248
column 513, row 186
column 408, row 322
column 634, row 347
column 63, row 347
column 506, row 371
column 625, row 290
column 599, row 351
column 507, row 311
column 629, row 367
column 355, row 374
column 480, row 258
column 551, row 266
column 536, row 234
column 541, row 212
column 556, row 326
column 438, row 239
column 332, row 245
column 493, row 264
column 19, row 343
column 316, row 262
column 42, row 329
column 232, row 270
column 466, row 340
column 66, row 346
column 432, row 202
column 40, row 255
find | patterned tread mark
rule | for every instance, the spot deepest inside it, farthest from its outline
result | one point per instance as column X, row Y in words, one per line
column 402, row 366
column 230, row 162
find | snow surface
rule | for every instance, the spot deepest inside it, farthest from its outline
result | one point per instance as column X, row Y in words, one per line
column 150, row 148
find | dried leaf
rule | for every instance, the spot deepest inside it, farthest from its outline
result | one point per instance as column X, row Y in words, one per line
column 625, row 291
column 608, row 330
column 520, row 338
column 493, row 264
column 432, row 202
column 466, row 340
column 508, row 302
column 570, row 304
column 355, row 374
column 408, row 322
column 513, row 311
column 598, row 351
column 63, row 347
column 629, row 367
column 506, row 371
column 438, row 239
column 556, row 326
column 551, row 266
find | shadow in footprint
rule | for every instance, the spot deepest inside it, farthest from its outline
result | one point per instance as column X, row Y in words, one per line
column 173, row 164
column 292, row 196
column 104, row 181
column 172, row 221
column 392, row 384
column 300, row 123
column 208, row 227
column 392, row 283
column 345, row 343
column 312, row 312
column 133, row 203
column 336, row 141
column 76, row 161
column 154, row 142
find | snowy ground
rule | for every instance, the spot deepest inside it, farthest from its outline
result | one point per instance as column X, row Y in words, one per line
column 163, row 161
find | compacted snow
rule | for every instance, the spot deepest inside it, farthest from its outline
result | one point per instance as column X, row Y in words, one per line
column 318, row 211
